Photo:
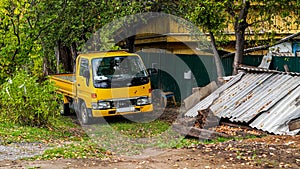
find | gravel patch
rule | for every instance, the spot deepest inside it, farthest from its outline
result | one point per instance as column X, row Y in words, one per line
column 16, row 151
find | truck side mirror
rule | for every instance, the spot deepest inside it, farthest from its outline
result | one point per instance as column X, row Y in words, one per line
column 86, row 74
column 152, row 71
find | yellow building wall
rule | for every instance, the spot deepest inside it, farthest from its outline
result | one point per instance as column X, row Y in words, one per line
column 167, row 33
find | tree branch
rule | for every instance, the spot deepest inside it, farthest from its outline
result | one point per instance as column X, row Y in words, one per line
column 16, row 33
column 29, row 23
column 265, row 46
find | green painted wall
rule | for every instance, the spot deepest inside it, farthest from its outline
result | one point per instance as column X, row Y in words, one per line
column 278, row 63
column 170, row 76
column 251, row 60
column 172, row 68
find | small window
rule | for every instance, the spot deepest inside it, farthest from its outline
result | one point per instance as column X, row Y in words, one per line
column 84, row 65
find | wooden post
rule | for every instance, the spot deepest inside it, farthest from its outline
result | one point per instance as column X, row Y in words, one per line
column 294, row 124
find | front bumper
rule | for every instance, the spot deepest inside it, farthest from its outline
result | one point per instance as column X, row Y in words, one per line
column 113, row 112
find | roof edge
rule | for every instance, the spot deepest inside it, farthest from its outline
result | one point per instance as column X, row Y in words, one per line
column 263, row 70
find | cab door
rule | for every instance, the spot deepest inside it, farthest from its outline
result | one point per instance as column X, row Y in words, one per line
column 83, row 78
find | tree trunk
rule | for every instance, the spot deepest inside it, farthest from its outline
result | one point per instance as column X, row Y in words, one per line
column 130, row 44
column 45, row 67
column 219, row 67
column 239, row 47
column 66, row 58
column 74, row 55
column 240, row 25
column 57, row 52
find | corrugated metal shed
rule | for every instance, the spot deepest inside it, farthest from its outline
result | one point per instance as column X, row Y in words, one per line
column 266, row 101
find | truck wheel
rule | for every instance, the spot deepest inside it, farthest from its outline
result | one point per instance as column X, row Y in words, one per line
column 64, row 109
column 84, row 114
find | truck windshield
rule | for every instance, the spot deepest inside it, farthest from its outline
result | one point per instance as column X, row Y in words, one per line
column 119, row 71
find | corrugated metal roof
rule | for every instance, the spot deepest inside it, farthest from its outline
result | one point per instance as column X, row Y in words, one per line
column 266, row 101
column 263, row 70
column 205, row 103
column 276, row 119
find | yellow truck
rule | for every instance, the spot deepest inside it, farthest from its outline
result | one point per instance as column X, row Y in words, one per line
column 105, row 84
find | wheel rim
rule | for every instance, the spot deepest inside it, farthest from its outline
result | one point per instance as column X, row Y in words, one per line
column 84, row 115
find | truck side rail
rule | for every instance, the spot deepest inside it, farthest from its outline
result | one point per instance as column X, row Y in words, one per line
column 64, row 83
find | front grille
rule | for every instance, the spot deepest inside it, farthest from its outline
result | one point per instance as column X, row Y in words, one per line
column 125, row 103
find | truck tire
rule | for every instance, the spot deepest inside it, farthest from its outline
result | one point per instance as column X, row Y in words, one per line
column 85, row 114
column 64, row 109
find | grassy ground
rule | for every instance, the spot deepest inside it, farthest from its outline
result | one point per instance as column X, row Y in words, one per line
column 70, row 140
column 72, row 145
column 65, row 130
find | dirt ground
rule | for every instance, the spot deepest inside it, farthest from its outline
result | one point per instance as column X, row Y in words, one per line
column 267, row 152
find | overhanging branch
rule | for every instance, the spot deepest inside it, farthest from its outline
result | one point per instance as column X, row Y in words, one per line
column 265, row 46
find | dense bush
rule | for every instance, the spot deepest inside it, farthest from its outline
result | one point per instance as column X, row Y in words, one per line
column 28, row 102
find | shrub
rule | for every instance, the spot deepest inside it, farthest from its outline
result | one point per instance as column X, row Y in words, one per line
column 27, row 102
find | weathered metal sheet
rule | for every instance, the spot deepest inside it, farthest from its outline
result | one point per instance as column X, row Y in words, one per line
column 262, row 100
column 276, row 119
column 264, row 97
column 205, row 103
column 237, row 94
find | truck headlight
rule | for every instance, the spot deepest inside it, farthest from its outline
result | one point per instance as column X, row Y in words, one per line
column 101, row 105
column 143, row 101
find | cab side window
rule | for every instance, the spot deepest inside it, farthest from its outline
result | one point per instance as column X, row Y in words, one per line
column 84, row 70
column 84, row 66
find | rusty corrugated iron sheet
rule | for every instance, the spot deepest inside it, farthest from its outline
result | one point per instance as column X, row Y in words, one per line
column 266, row 101
column 275, row 120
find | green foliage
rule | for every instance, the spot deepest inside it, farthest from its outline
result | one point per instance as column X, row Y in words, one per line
column 30, row 29
column 210, row 16
column 25, row 101
column 221, row 17
column 23, row 23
